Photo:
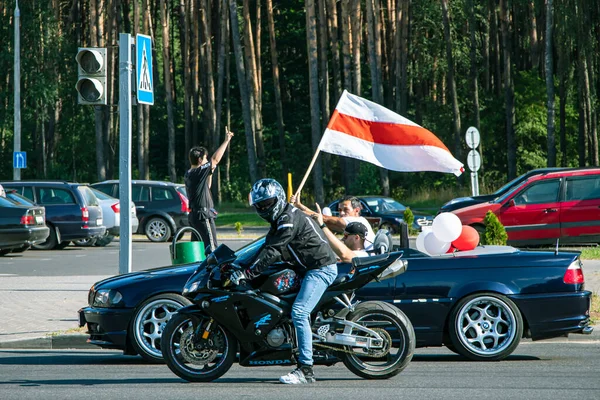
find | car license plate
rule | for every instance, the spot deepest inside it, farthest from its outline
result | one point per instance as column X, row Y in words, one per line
column 99, row 221
column 39, row 219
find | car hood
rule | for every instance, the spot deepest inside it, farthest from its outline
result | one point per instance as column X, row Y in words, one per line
column 461, row 202
column 118, row 281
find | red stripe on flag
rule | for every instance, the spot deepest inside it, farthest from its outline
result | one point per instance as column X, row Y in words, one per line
column 384, row 132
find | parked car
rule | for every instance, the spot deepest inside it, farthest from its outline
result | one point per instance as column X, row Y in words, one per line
column 162, row 207
column 386, row 213
column 479, row 303
column 111, row 213
column 20, row 226
column 562, row 205
column 72, row 210
column 461, row 202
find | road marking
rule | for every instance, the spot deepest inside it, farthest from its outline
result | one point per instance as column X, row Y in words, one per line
column 81, row 255
column 8, row 274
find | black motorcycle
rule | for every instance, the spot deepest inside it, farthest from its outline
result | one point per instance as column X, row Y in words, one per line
column 374, row 339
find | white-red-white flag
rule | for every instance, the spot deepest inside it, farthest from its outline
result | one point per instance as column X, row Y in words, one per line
column 367, row 131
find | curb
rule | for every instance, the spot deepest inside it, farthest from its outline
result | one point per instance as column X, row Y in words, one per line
column 54, row 342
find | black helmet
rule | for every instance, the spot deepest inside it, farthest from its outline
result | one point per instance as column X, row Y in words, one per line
column 268, row 198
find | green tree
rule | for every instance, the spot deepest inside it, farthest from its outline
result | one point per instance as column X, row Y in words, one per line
column 494, row 233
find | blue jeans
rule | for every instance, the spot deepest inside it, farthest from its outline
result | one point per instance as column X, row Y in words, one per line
column 315, row 282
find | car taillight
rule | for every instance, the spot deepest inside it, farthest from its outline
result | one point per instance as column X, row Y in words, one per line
column 574, row 274
column 116, row 208
column 27, row 220
column 85, row 216
column 185, row 204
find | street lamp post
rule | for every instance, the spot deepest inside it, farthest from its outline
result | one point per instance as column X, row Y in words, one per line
column 17, row 116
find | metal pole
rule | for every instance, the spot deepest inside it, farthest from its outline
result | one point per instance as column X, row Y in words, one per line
column 125, row 68
column 17, row 72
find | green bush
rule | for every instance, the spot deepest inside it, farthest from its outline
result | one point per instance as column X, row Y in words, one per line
column 494, row 234
column 409, row 218
column 238, row 228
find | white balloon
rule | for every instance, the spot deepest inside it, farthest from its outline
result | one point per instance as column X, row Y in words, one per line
column 447, row 227
column 326, row 211
column 421, row 242
column 435, row 246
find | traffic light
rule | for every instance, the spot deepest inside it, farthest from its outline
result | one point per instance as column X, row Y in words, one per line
column 91, row 82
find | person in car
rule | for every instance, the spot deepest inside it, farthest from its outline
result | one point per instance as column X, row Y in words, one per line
column 2, row 191
column 349, row 209
column 352, row 243
column 295, row 238
column 197, row 185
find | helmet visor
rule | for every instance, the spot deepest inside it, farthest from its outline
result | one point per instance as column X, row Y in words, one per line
column 265, row 205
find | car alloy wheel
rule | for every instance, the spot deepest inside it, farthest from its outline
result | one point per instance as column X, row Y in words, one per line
column 87, row 242
column 486, row 326
column 149, row 322
column 158, row 230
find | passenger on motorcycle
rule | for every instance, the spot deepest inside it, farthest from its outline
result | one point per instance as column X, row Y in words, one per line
column 296, row 238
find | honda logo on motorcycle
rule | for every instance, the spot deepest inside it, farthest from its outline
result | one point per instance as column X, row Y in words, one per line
column 268, row 362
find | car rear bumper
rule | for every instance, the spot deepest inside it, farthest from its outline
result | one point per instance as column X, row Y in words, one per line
column 26, row 235
column 116, row 230
column 82, row 233
column 555, row 314
column 107, row 327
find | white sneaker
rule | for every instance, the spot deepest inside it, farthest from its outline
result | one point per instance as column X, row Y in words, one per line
column 299, row 376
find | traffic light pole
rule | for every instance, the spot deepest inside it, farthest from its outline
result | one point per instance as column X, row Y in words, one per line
column 125, row 68
column 17, row 78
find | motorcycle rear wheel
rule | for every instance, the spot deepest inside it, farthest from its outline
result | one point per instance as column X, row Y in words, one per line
column 193, row 364
column 379, row 315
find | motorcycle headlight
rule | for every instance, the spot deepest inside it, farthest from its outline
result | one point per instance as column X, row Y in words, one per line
column 191, row 287
column 107, row 298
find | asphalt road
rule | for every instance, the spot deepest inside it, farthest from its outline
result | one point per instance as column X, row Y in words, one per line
column 91, row 260
column 541, row 370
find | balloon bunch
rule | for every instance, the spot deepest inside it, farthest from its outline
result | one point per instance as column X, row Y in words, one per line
column 447, row 235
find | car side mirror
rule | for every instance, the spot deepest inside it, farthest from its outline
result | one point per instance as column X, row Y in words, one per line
column 512, row 203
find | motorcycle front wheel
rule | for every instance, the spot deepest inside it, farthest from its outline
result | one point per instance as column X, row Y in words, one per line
column 192, row 358
column 399, row 341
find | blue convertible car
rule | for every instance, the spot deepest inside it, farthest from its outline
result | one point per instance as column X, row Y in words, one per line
column 478, row 303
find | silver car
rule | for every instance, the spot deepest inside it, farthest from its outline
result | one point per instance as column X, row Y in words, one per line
column 111, row 212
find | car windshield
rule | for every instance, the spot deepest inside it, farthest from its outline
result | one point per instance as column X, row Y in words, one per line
column 7, row 202
column 19, row 199
column 383, row 205
column 101, row 195
column 509, row 185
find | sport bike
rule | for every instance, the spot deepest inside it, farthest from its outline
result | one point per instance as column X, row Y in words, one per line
column 251, row 322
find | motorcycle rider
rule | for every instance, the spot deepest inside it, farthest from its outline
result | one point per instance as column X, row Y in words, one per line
column 293, row 237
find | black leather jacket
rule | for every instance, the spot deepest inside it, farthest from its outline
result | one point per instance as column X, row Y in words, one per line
column 295, row 238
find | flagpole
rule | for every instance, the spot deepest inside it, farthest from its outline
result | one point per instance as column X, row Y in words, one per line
column 312, row 163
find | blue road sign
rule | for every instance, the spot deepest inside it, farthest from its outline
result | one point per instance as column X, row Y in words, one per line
column 143, row 68
column 20, row 159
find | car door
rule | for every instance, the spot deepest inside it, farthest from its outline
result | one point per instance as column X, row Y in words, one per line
column 140, row 195
column 62, row 209
column 580, row 211
column 532, row 214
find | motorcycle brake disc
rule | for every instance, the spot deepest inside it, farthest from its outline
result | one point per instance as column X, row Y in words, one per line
column 199, row 355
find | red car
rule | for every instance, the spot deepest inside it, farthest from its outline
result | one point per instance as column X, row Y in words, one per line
column 561, row 205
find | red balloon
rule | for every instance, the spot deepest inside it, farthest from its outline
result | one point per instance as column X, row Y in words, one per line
column 452, row 249
column 468, row 239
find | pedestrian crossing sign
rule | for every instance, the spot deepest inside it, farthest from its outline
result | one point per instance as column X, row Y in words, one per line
column 145, row 83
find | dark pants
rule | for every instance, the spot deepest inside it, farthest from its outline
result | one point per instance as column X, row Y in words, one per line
column 206, row 228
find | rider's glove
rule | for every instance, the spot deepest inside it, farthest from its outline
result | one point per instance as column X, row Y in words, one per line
column 237, row 276
column 242, row 274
